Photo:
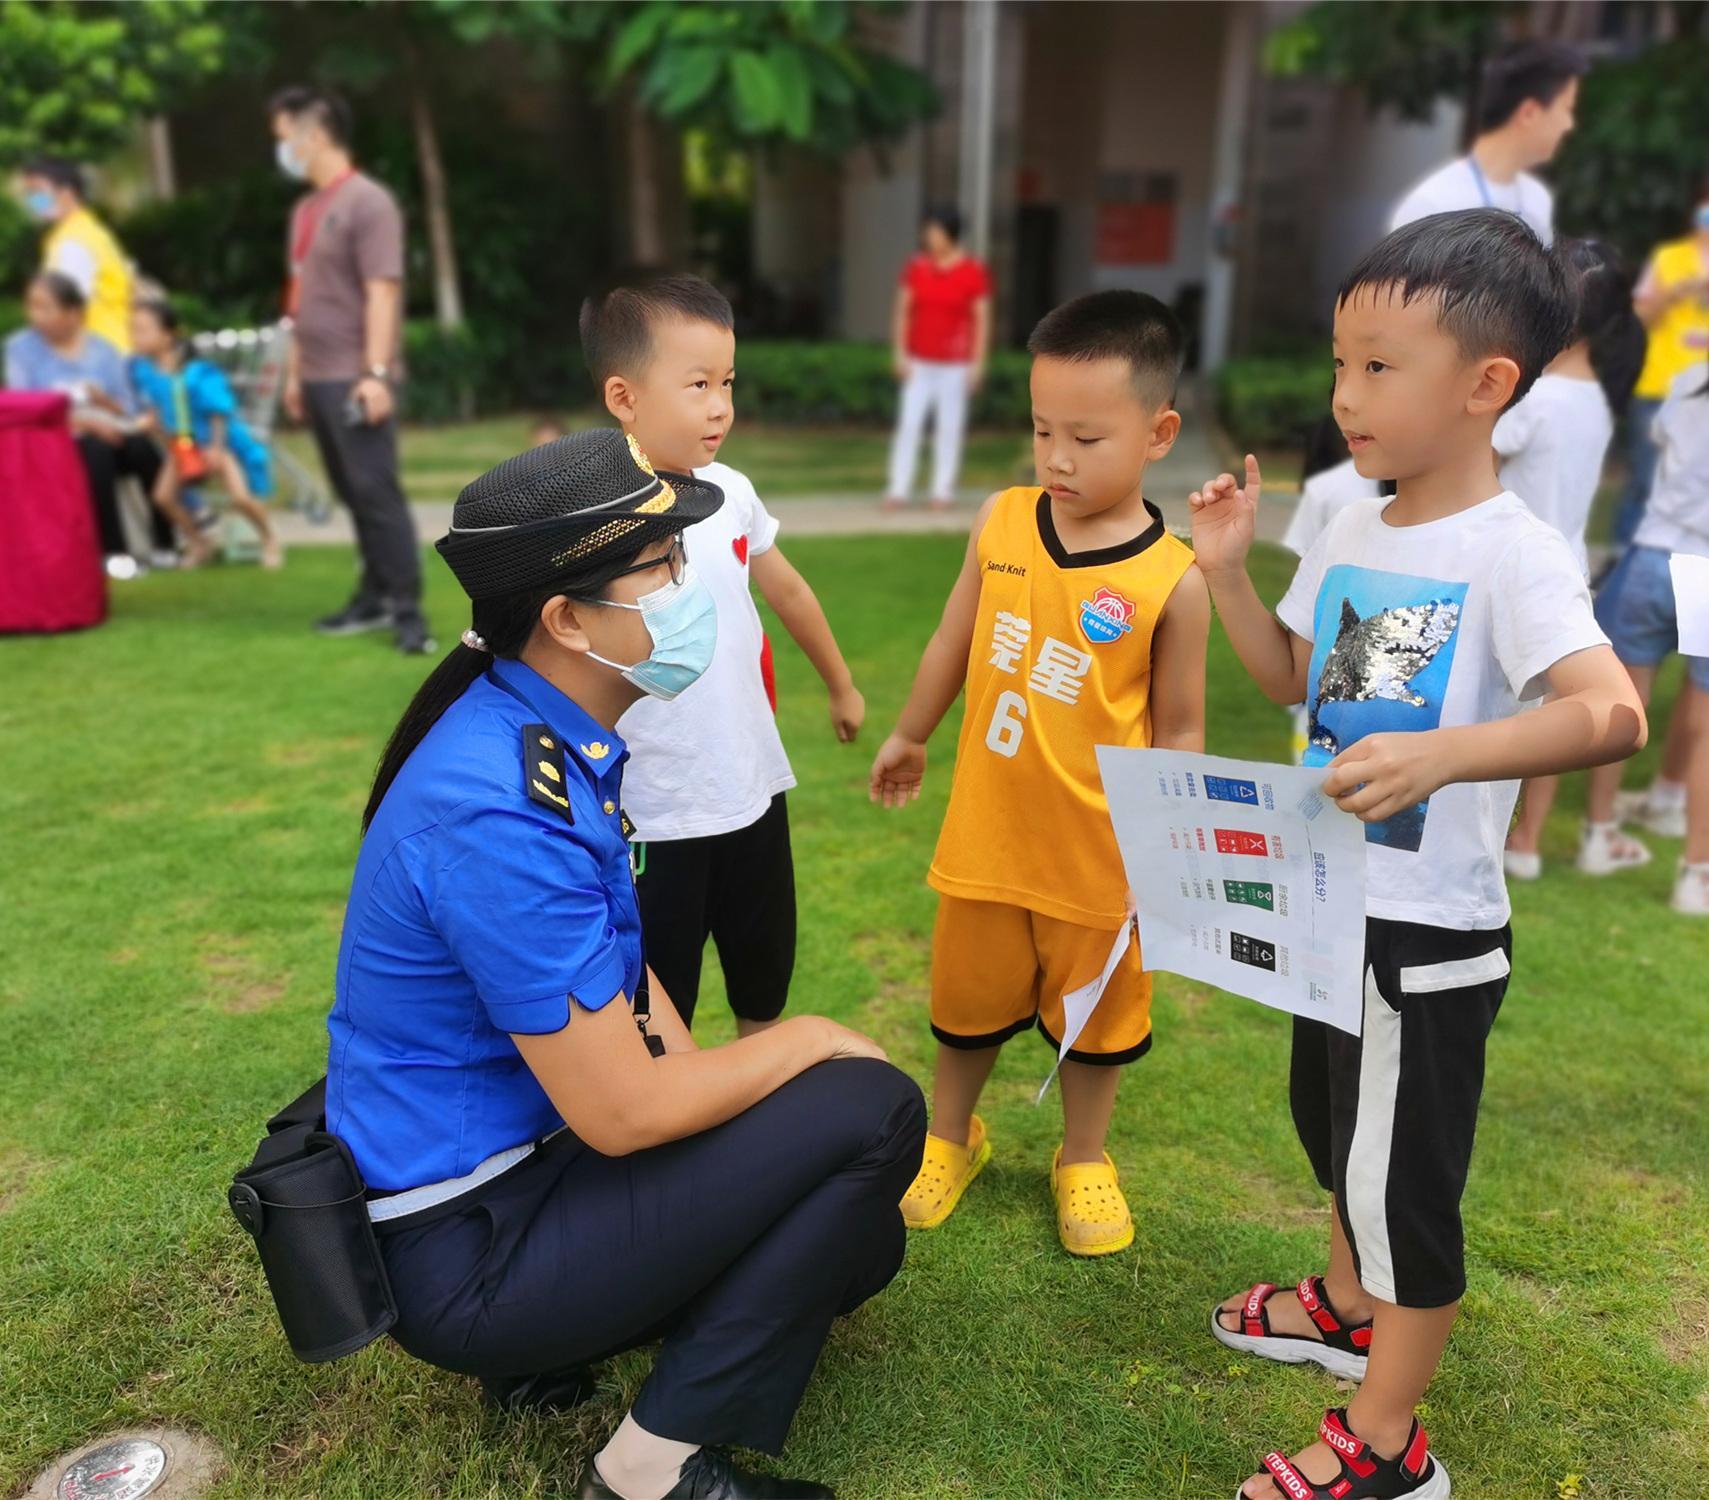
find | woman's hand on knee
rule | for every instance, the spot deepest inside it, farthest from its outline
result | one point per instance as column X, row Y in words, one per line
column 842, row 1041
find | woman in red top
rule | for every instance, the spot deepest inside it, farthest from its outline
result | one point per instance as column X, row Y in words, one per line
column 941, row 330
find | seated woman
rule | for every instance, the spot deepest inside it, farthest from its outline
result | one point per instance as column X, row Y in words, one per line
column 194, row 405
column 58, row 353
column 557, row 1172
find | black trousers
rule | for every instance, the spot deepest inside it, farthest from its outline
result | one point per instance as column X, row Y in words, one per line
column 134, row 457
column 362, row 463
column 737, row 888
column 1388, row 1118
column 737, row 1247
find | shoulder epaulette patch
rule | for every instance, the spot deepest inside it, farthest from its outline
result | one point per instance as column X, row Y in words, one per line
column 543, row 770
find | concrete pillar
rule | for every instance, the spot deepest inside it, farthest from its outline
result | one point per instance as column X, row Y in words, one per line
column 979, row 20
column 1234, row 93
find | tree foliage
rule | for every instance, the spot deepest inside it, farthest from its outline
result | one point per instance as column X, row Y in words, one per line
column 74, row 79
column 1403, row 53
column 785, row 70
column 1631, row 170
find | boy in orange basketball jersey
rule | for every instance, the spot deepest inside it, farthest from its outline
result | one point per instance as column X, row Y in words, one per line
column 1077, row 620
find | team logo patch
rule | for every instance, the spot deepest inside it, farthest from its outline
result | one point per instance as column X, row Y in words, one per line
column 1106, row 616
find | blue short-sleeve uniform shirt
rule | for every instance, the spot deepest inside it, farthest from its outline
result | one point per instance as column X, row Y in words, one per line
column 479, row 906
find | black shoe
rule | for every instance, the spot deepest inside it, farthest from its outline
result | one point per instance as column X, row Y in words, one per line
column 557, row 1390
column 413, row 639
column 709, row 1475
column 357, row 617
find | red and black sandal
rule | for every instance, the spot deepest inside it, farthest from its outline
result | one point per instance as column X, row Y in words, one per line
column 1365, row 1474
column 1341, row 1348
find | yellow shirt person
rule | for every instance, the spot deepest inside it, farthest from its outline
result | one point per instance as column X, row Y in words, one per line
column 82, row 247
column 1678, row 279
column 1077, row 620
column 78, row 246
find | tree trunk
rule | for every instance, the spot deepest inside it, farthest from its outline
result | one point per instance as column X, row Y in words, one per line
column 447, row 288
column 163, row 177
column 645, row 217
column 655, row 206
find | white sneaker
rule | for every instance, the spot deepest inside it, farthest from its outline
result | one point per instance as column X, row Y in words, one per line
column 1604, row 850
column 1666, row 822
column 1691, row 890
column 1521, row 864
column 1658, row 808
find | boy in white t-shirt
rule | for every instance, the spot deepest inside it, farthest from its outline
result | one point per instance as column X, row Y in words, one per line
column 1549, row 450
column 1525, row 109
column 706, row 782
column 1415, row 628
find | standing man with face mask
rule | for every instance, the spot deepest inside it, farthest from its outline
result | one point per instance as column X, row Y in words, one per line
column 344, row 294
column 79, row 246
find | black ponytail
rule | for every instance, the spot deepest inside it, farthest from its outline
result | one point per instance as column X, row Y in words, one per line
column 506, row 624
column 1605, row 319
column 444, row 686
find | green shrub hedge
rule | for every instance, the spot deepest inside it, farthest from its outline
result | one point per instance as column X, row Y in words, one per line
column 1275, row 401
column 846, row 382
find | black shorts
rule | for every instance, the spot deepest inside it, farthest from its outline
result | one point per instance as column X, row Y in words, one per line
column 736, row 888
column 1388, row 1117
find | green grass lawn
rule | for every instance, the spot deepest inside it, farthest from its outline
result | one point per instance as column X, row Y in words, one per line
column 781, row 461
column 180, row 799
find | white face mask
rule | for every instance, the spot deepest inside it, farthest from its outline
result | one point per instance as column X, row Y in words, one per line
column 290, row 162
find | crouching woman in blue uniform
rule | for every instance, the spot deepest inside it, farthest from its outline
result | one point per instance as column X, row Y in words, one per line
column 555, row 1175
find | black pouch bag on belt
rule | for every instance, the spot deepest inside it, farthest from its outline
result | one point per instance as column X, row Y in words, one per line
column 304, row 1201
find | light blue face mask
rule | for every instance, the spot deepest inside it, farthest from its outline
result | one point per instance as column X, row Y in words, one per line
column 682, row 619
column 39, row 203
column 290, row 163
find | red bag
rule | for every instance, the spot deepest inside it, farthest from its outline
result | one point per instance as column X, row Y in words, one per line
column 187, row 458
column 50, row 553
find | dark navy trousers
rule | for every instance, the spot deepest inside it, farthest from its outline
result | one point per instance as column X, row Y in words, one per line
column 737, row 1247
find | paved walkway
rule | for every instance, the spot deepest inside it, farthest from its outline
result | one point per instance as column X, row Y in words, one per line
column 1167, row 484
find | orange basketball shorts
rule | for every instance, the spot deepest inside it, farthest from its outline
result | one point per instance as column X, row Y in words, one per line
column 999, row 969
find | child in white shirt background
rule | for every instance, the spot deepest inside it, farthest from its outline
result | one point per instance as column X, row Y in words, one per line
column 1550, row 449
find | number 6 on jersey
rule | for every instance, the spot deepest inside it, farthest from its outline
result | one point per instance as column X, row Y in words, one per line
column 1008, row 724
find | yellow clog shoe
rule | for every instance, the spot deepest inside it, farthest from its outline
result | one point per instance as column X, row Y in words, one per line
column 1092, row 1216
column 944, row 1175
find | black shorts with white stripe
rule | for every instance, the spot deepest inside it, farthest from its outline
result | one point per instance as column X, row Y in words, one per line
column 1388, row 1118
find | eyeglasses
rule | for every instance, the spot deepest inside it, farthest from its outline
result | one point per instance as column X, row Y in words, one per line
column 676, row 559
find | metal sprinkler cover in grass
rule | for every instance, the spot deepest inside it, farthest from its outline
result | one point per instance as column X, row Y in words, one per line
column 125, row 1470
column 162, row 1463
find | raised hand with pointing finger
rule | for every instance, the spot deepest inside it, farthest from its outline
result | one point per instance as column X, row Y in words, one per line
column 1225, row 519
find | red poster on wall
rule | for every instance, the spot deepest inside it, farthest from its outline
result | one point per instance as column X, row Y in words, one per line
column 1135, row 234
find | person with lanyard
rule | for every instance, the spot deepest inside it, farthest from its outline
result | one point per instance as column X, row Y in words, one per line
column 556, row 1171
column 343, row 362
column 1525, row 109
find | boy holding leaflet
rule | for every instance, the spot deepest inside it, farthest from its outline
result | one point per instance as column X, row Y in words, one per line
column 1077, row 620
column 1414, row 629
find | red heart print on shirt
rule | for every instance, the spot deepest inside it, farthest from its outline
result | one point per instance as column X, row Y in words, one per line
column 740, row 548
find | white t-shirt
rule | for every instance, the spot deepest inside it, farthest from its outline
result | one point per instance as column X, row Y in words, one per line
column 1552, row 445
column 1461, row 184
column 711, row 761
column 1451, row 622
column 1676, row 516
column 1322, row 498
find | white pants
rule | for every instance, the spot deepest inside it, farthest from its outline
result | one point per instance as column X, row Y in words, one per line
column 931, row 386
